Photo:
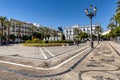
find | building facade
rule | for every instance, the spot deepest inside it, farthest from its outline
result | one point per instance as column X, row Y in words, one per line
column 16, row 28
column 70, row 33
column 20, row 28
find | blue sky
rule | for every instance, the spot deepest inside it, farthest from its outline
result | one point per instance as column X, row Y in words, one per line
column 58, row 12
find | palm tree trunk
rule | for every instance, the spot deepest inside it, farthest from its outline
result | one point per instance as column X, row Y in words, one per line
column 8, row 35
column 54, row 38
column 2, row 33
column 98, row 38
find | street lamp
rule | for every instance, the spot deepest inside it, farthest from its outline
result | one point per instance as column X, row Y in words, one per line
column 91, row 14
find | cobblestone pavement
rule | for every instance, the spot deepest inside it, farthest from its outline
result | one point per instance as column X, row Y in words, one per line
column 101, row 63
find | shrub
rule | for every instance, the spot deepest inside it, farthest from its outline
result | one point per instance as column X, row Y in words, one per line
column 41, row 45
column 28, row 41
column 33, row 38
column 62, row 41
column 36, row 40
column 46, row 41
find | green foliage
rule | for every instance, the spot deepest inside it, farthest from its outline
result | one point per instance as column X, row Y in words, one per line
column 12, row 36
column 37, row 35
column 36, row 40
column 3, row 37
column 33, row 37
column 46, row 43
column 42, row 44
column 77, row 32
column 25, row 37
column 83, row 35
column 105, row 37
column 115, row 32
column 118, row 6
column 62, row 41
column 60, row 29
column 62, row 37
column 117, row 17
column 94, row 36
column 28, row 41
column 47, row 36
column 98, row 29
column 111, row 26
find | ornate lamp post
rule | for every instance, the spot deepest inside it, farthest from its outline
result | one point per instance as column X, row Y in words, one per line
column 91, row 14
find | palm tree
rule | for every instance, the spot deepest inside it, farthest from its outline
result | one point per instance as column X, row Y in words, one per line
column 98, row 30
column 115, row 33
column 41, row 30
column 111, row 26
column 83, row 35
column 33, row 29
column 19, row 31
column 47, row 32
column 54, row 33
column 117, row 17
column 2, row 21
column 8, row 25
column 77, row 32
column 118, row 7
column 61, row 31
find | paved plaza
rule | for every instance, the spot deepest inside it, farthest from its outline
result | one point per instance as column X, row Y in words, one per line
column 61, row 63
column 42, row 53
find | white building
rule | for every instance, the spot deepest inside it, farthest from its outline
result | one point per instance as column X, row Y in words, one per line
column 70, row 34
column 106, row 32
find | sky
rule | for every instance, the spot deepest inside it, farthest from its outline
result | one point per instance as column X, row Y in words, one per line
column 57, row 13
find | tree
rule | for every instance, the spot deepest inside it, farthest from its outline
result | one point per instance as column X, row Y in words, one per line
column 114, row 19
column 2, row 21
column 105, row 37
column 33, row 29
column 25, row 37
column 61, row 31
column 83, row 35
column 114, row 33
column 111, row 26
column 38, row 35
column 45, row 32
column 12, row 37
column 54, row 33
column 8, row 25
column 19, row 31
column 118, row 7
column 117, row 17
column 41, row 30
column 77, row 32
column 98, row 30
column 62, row 37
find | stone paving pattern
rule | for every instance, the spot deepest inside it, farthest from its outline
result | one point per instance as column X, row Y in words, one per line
column 103, row 63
